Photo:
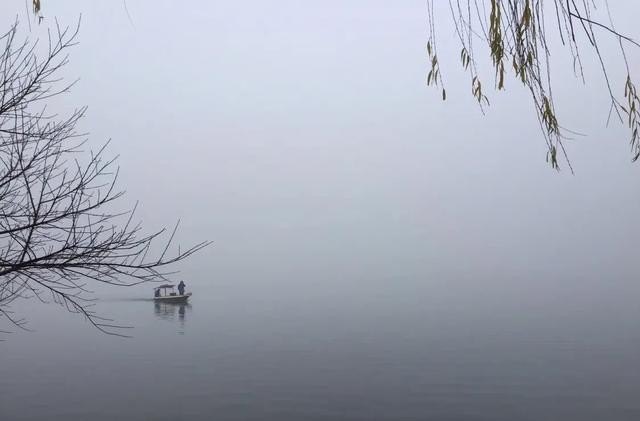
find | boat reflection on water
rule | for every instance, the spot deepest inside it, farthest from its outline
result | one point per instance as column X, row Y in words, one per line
column 172, row 312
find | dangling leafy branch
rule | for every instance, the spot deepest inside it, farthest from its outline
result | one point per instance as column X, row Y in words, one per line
column 516, row 31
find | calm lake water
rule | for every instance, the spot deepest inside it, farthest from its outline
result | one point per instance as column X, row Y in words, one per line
column 372, row 349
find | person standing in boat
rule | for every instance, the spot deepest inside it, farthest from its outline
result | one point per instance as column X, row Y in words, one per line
column 181, row 286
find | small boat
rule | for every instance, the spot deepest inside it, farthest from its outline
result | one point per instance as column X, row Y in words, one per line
column 166, row 294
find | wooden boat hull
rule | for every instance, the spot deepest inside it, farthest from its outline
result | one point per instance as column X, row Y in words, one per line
column 174, row 299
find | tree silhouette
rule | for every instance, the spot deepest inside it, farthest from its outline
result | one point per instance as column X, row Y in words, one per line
column 59, row 232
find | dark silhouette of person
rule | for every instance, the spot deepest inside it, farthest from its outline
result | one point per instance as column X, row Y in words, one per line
column 157, row 292
column 181, row 286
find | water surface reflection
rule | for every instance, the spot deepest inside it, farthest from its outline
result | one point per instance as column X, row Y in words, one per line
column 172, row 312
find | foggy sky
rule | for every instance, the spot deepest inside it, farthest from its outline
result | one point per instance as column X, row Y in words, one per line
column 301, row 138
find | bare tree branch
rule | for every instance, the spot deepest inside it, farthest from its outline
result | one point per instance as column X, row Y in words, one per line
column 58, row 230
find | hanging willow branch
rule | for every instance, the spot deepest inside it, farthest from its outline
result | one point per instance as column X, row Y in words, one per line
column 515, row 33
